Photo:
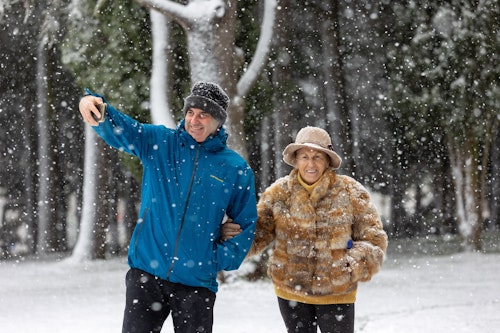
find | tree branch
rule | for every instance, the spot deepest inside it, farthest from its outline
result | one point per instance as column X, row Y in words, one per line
column 259, row 60
column 187, row 14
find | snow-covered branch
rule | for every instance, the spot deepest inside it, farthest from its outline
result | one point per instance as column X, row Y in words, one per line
column 263, row 46
column 194, row 11
column 160, row 111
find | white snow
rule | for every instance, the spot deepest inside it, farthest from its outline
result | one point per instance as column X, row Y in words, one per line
column 449, row 293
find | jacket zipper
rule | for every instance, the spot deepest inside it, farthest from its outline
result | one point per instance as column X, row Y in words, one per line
column 178, row 237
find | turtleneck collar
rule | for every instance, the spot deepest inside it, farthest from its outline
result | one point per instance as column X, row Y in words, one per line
column 309, row 188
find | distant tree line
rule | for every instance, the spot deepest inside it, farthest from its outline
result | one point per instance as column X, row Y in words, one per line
column 407, row 89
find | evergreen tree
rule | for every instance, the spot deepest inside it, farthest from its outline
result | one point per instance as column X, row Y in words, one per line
column 445, row 94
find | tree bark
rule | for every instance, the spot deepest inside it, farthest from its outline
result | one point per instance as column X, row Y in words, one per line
column 85, row 244
column 338, row 114
column 468, row 197
column 46, row 239
column 161, row 72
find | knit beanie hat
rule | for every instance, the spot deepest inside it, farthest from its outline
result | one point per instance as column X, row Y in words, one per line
column 315, row 138
column 210, row 98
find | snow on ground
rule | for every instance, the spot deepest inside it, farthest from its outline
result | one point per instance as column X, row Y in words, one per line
column 448, row 293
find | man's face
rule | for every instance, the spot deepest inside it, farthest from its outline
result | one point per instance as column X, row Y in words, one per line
column 200, row 124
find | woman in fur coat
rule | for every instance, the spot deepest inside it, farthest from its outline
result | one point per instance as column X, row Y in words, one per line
column 326, row 236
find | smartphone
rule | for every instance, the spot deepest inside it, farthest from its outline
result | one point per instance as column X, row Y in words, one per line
column 102, row 110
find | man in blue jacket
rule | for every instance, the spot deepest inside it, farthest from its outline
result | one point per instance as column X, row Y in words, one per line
column 191, row 182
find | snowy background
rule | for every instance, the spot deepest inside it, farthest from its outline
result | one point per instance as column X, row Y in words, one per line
column 393, row 76
column 457, row 293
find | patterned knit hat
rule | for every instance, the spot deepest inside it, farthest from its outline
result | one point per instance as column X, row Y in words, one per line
column 210, row 98
column 315, row 138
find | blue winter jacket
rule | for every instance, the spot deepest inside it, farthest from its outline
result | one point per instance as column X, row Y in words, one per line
column 187, row 188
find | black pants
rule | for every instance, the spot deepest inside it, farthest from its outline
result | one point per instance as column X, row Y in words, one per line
column 306, row 318
column 150, row 300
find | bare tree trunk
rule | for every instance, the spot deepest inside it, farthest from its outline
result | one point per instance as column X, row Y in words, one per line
column 444, row 198
column 46, row 237
column 51, row 206
column 266, row 153
column 60, row 197
column 399, row 218
column 85, row 244
column 468, row 197
column 104, row 204
column 490, row 131
column 31, row 182
column 495, row 177
column 218, row 39
column 161, row 72
column 339, row 115
column 284, row 132
column 213, row 56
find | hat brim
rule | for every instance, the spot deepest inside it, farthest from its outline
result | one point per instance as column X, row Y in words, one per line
column 289, row 154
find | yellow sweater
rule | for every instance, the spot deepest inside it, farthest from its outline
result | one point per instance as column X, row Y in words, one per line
column 319, row 300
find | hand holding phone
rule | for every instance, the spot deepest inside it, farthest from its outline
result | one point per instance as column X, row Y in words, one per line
column 102, row 110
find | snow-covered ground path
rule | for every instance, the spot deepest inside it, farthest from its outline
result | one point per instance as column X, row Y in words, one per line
column 449, row 293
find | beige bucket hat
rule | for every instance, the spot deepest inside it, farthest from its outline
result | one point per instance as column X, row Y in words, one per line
column 315, row 138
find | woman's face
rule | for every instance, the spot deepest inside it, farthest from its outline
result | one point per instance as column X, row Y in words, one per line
column 311, row 164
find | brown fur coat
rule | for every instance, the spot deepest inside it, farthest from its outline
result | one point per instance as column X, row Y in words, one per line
column 311, row 232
